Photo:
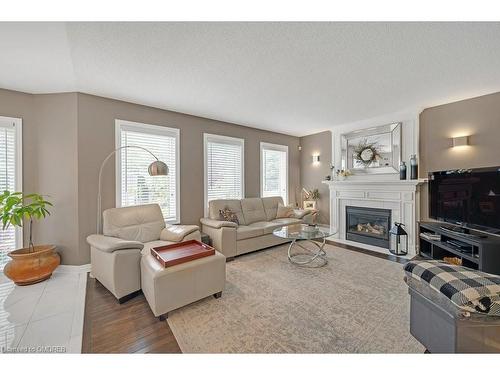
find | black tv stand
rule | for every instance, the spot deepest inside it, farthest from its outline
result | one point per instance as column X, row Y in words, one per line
column 477, row 251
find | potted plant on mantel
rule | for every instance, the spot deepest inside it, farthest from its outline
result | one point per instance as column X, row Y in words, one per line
column 32, row 264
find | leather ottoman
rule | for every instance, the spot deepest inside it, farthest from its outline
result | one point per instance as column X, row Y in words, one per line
column 167, row 289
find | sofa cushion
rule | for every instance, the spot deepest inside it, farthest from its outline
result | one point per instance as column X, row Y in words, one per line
column 285, row 211
column 253, row 210
column 271, row 206
column 135, row 223
column 267, row 226
column 287, row 221
column 300, row 213
column 214, row 207
column 245, row 231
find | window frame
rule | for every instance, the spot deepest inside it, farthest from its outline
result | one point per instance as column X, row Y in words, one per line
column 17, row 123
column 276, row 147
column 153, row 130
column 206, row 138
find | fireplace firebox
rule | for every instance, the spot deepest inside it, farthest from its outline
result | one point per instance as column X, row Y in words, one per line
column 368, row 225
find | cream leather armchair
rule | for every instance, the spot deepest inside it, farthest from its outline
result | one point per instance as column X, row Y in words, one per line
column 129, row 233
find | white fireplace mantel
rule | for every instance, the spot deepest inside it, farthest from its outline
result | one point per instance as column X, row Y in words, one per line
column 402, row 197
column 396, row 184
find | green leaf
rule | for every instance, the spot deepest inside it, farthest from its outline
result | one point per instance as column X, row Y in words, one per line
column 16, row 207
column 14, row 220
column 5, row 222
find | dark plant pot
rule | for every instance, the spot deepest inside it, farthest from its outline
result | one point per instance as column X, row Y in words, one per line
column 28, row 268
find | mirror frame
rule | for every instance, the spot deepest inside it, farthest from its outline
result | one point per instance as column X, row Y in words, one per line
column 394, row 129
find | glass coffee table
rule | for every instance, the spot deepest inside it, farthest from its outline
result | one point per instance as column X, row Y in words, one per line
column 299, row 233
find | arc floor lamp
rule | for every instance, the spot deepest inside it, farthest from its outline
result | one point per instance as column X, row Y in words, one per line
column 156, row 168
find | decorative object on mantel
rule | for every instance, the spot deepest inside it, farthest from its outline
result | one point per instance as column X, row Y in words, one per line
column 343, row 174
column 372, row 150
column 33, row 264
column 402, row 171
column 367, row 153
column 398, row 240
column 332, row 173
column 413, row 167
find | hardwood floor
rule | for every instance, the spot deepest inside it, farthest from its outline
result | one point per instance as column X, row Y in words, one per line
column 127, row 328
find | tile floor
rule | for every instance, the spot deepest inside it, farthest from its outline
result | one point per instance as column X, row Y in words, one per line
column 45, row 317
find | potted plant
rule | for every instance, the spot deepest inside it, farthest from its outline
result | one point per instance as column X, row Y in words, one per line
column 32, row 264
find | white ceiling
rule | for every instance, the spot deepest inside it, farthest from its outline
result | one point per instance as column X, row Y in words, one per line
column 294, row 78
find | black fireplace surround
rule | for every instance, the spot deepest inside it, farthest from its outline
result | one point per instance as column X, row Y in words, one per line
column 368, row 225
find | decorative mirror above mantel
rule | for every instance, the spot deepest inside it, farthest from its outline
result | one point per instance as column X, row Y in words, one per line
column 373, row 150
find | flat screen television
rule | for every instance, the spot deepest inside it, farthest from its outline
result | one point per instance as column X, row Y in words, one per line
column 466, row 197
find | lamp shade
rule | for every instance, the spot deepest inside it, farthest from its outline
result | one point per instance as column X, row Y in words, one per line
column 158, row 168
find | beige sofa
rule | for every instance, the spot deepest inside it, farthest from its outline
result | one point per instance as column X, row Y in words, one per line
column 257, row 220
column 121, row 260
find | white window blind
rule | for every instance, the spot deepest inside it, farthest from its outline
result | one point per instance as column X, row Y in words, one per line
column 274, row 170
column 134, row 184
column 10, row 179
column 224, row 169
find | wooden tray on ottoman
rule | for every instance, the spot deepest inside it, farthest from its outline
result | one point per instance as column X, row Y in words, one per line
column 182, row 252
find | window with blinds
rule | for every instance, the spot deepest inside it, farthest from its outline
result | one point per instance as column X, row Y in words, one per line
column 274, row 170
column 134, row 184
column 224, row 169
column 10, row 179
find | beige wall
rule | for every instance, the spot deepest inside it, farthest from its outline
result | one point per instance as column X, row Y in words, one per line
column 66, row 137
column 20, row 105
column 311, row 174
column 57, row 162
column 96, row 139
column 50, row 163
column 478, row 117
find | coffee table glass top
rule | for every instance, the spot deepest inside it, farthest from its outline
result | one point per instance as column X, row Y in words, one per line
column 302, row 232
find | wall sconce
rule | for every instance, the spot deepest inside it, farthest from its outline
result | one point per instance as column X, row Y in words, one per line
column 460, row 141
column 315, row 159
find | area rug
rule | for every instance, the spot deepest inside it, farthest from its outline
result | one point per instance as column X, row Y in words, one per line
column 357, row 303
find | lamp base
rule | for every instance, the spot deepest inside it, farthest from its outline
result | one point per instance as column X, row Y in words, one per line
column 400, row 253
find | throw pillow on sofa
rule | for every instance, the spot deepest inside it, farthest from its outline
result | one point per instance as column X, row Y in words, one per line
column 284, row 211
column 227, row 215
